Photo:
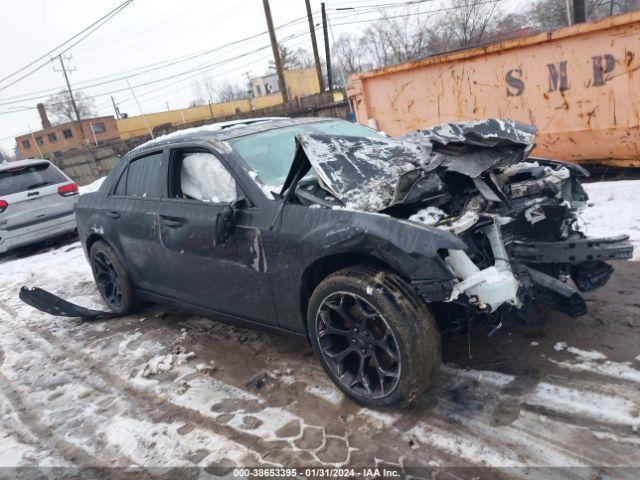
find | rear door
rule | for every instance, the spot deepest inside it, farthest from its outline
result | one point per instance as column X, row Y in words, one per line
column 34, row 194
column 130, row 214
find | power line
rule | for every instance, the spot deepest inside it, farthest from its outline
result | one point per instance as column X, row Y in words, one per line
column 487, row 2
column 141, row 70
column 86, row 32
column 198, row 69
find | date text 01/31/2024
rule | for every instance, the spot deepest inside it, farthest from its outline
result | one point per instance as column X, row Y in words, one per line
column 317, row 472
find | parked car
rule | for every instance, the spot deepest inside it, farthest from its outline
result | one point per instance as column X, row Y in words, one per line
column 366, row 245
column 37, row 202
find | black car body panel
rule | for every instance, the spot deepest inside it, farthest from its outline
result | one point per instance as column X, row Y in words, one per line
column 257, row 272
column 257, row 259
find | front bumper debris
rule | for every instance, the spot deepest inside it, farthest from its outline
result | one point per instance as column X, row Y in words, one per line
column 557, row 294
column 572, row 251
column 49, row 303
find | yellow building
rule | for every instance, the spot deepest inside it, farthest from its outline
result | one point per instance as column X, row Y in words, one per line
column 300, row 83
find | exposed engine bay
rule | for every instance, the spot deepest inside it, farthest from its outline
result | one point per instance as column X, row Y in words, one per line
column 518, row 216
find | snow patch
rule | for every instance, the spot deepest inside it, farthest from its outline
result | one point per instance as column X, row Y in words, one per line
column 92, row 187
column 165, row 363
column 613, row 210
column 559, row 346
column 587, row 354
column 327, row 393
column 428, row 216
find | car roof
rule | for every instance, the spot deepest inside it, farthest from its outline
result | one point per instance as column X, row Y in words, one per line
column 21, row 163
column 227, row 130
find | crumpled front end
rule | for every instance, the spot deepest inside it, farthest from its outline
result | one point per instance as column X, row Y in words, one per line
column 517, row 215
column 519, row 218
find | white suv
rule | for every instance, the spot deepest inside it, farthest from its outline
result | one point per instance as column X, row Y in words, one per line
column 37, row 202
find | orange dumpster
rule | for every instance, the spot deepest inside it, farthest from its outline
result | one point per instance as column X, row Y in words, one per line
column 579, row 85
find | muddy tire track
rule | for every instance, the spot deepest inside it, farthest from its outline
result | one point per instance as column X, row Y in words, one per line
column 147, row 405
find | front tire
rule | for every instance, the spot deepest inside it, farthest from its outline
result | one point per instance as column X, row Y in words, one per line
column 111, row 278
column 375, row 339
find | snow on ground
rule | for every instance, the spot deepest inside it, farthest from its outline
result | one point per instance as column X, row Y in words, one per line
column 614, row 210
column 92, row 187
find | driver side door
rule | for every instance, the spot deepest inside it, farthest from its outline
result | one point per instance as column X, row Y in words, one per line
column 220, row 268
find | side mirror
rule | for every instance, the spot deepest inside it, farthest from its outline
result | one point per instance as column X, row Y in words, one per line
column 224, row 224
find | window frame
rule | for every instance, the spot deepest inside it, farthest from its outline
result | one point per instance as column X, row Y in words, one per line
column 64, row 133
column 100, row 125
column 26, row 143
column 124, row 174
column 52, row 137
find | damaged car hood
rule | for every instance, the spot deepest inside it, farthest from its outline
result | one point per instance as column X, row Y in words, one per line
column 372, row 175
column 363, row 173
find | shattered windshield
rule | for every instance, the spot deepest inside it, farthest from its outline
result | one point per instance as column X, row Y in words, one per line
column 269, row 154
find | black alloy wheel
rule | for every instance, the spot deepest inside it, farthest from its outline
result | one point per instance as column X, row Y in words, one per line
column 376, row 340
column 107, row 280
column 358, row 345
column 112, row 278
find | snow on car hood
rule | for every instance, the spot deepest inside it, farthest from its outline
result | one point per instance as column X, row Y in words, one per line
column 373, row 174
column 362, row 172
column 484, row 133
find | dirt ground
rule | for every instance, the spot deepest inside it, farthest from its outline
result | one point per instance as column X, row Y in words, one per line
column 167, row 389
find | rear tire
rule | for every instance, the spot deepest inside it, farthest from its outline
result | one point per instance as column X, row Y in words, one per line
column 376, row 340
column 111, row 278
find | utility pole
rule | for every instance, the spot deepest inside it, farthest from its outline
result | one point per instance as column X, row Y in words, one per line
column 115, row 108
column 248, row 74
column 35, row 142
column 327, row 50
column 85, row 142
column 579, row 11
column 144, row 117
column 276, row 51
column 568, row 7
column 314, row 45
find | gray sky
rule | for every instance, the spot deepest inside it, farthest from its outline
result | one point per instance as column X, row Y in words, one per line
column 148, row 32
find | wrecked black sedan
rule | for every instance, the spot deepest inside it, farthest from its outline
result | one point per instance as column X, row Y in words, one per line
column 334, row 231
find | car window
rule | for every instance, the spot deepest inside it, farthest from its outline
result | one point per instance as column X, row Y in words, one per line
column 31, row 177
column 269, row 154
column 141, row 176
column 121, row 186
column 202, row 176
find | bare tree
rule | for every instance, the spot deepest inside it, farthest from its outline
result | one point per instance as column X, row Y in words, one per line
column 204, row 91
column 469, row 22
column 350, row 53
column 552, row 14
column 293, row 58
column 60, row 107
column 227, row 91
column 394, row 39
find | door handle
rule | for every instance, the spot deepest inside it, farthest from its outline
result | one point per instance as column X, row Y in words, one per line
column 171, row 222
column 114, row 215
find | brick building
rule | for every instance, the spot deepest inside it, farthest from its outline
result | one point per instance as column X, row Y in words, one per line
column 65, row 139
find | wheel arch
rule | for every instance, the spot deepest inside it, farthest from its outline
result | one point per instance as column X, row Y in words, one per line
column 93, row 238
column 323, row 267
column 97, row 237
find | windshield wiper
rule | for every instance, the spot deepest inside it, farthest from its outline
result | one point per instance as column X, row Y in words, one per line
column 38, row 185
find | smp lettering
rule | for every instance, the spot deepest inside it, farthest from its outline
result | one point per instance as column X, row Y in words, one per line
column 602, row 65
column 514, row 82
column 558, row 78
